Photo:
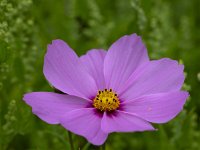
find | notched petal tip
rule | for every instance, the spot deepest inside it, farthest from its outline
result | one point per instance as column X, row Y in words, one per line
column 158, row 108
column 86, row 123
column 59, row 44
column 98, row 142
column 50, row 107
column 26, row 97
column 55, row 42
column 186, row 95
column 124, row 56
column 63, row 69
column 124, row 122
column 58, row 41
column 173, row 62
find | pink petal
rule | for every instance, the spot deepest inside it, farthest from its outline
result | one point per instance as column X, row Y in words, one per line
column 122, row 58
column 50, row 107
column 93, row 61
column 157, row 108
column 124, row 122
column 85, row 122
column 64, row 71
column 158, row 76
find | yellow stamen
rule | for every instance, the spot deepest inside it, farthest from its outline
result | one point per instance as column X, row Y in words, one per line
column 106, row 100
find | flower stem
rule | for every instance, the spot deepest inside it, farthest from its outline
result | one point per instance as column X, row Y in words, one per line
column 70, row 140
column 103, row 147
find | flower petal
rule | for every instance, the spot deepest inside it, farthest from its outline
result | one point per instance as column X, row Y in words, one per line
column 157, row 108
column 93, row 61
column 50, row 107
column 64, row 71
column 122, row 58
column 158, row 76
column 85, row 122
column 122, row 121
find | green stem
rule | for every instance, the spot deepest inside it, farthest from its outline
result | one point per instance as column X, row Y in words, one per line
column 70, row 140
column 103, row 147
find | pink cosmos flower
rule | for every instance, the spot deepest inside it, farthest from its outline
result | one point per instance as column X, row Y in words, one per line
column 119, row 90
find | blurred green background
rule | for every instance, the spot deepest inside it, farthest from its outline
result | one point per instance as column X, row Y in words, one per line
column 168, row 28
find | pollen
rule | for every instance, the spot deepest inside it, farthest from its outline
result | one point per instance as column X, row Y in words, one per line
column 106, row 100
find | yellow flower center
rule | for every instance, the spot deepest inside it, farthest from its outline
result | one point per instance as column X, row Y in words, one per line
column 106, row 100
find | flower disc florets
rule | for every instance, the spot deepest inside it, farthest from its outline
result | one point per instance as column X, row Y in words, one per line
column 106, row 100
